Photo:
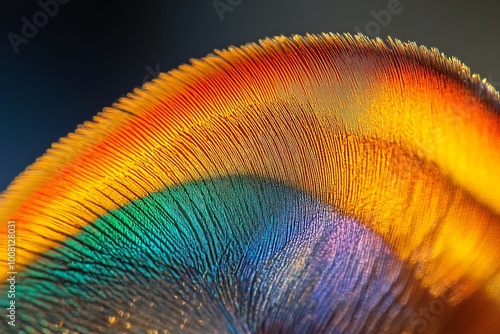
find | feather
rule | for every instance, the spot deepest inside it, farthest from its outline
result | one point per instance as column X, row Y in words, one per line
column 317, row 184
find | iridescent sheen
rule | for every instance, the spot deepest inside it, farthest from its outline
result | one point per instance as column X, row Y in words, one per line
column 317, row 184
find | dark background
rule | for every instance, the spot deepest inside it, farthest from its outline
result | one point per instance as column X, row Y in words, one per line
column 91, row 52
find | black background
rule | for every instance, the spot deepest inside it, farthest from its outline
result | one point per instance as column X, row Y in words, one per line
column 91, row 52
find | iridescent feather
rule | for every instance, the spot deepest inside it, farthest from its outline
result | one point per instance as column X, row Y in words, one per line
column 317, row 184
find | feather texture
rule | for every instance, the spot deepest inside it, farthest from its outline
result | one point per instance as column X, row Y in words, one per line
column 326, row 183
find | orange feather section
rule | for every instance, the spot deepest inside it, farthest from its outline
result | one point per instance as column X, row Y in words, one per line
column 397, row 136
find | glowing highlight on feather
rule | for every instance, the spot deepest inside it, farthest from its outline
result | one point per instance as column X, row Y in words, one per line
column 394, row 136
